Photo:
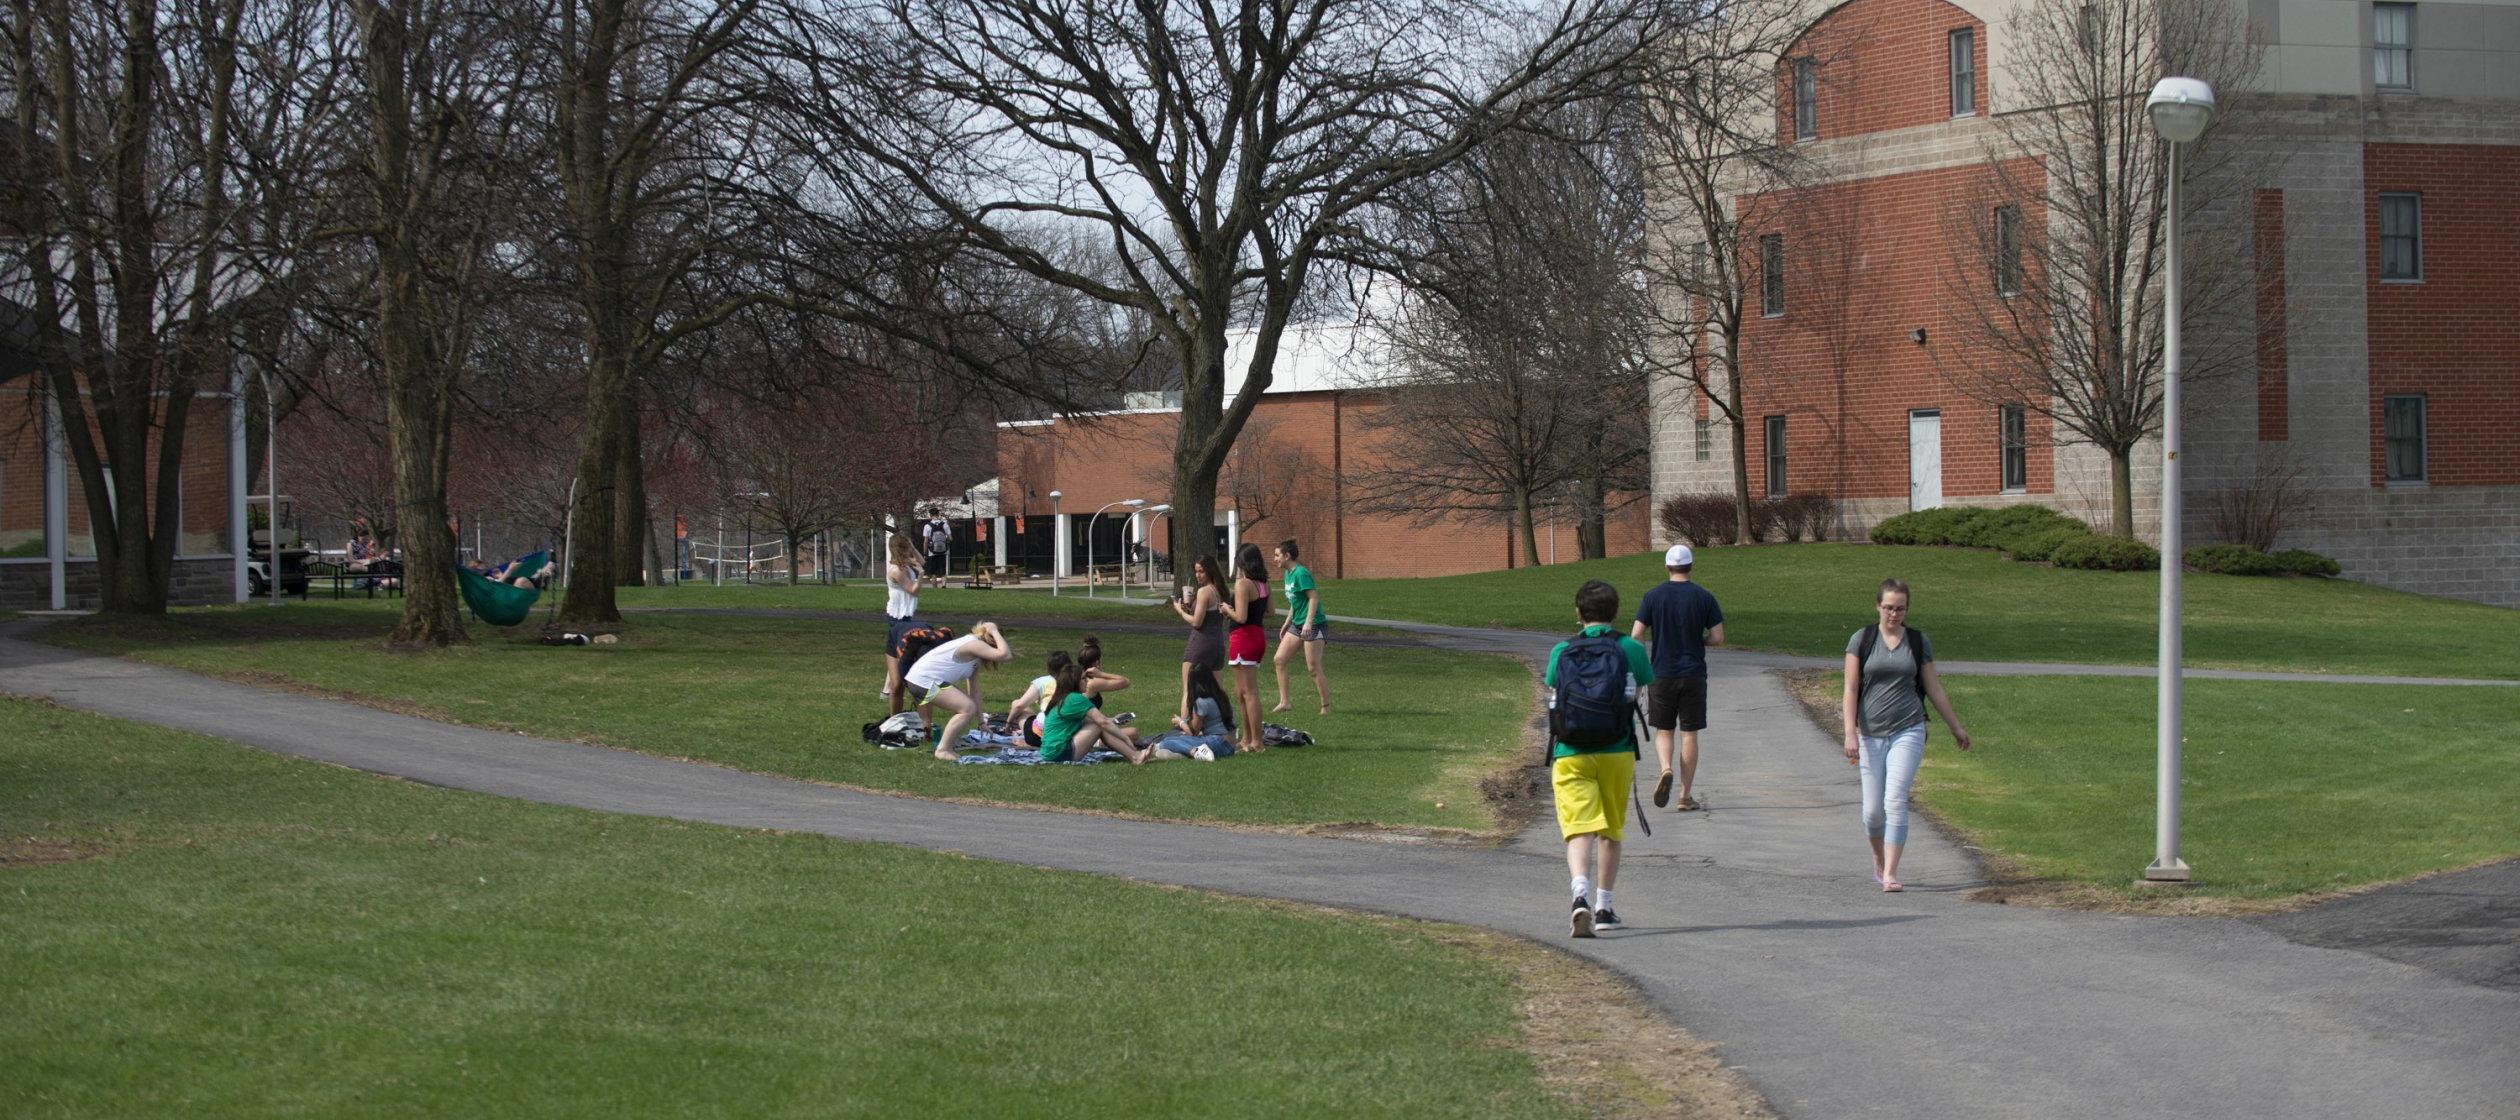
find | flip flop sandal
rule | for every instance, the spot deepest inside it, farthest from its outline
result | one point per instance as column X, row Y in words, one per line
column 1892, row 886
column 1688, row 804
column 1662, row 790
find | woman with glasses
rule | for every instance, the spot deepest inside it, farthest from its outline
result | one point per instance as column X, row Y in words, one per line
column 1889, row 677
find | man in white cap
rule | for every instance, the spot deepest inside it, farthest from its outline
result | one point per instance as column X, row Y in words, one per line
column 1682, row 619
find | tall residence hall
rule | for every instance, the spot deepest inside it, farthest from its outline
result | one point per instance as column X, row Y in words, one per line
column 2376, row 323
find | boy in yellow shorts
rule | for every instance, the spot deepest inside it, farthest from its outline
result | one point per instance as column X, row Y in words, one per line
column 1593, row 678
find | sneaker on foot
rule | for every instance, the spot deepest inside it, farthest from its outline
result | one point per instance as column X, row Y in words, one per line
column 1125, row 718
column 1605, row 918
column 1580, row 920
column 1203, row 753
column 1662, row 790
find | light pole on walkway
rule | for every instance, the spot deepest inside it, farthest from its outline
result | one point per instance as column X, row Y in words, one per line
column 1132, row 503
column 2181, row 109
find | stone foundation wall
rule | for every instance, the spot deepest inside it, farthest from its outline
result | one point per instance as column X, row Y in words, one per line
column 26, row 585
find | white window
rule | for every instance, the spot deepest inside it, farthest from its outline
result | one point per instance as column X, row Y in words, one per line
column 1776, row 456
column 2402, row 436
column 2393, row 46
column 1963, row 72
column 2015, row 421
column 2402, row 237
column 2007, row 250
column 1705, row 440
column 1806, row 99
column 1772, row 274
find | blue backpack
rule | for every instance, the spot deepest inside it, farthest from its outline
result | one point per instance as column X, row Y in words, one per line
column 1591, row 708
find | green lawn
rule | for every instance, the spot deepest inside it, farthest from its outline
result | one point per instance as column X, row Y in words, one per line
column 1806, row 598
column 251, row 936
column 1412, row 734
column 2289, row 788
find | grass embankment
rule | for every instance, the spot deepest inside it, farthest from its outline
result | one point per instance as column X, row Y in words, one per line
column 1806, row 598
column 1412, row 733
column 195, row 929
column 2290, row 791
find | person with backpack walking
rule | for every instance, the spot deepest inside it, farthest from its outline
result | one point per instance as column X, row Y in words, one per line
column 1889, row 678
column 1593, row 678
column 1683, row 619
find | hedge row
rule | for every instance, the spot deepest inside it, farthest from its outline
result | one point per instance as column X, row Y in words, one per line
column 2037, row 534
column 1705, row 519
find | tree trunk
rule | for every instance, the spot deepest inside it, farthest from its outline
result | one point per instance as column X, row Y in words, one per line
column 591, row 574
column 419, row 425
column 1523, row 527
column 2122, row 492
column 1592, row 528
column 1741, row 480
column 630, row 514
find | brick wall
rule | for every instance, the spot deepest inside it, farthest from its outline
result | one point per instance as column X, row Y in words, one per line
column 1883, row 64
column 1867, row 263
column 205, row 478
column 1291, row 469
column 2455, row 336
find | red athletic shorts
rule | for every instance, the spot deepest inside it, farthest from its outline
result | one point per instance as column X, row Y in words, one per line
column 1246, row 645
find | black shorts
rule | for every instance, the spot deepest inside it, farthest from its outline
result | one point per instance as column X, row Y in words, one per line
column 1677, row 701
column 894, row 628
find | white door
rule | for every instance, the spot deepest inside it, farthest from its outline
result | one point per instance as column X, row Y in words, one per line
column 1924, row 459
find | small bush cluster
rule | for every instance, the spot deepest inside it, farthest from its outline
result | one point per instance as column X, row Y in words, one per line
column 2242, row 560
column 1973, row 527
column 2097, row 552
column 1708, row 519
column 2039, row 547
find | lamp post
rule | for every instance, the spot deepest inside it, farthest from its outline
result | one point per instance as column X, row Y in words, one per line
column 1058, row 542
column 1132, row 503
column 1150, row 513
column 2181, row 109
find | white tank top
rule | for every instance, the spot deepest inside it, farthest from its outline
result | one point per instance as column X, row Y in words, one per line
column 898, row 602
column 939, row 667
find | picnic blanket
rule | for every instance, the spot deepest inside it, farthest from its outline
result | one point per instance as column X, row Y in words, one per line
column 1027, row 756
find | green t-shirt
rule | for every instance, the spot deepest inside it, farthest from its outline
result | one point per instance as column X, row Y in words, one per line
column 1299, row 580
column 1640, row 670
column 1059, row 727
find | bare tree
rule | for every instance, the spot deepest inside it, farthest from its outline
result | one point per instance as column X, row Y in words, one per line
column 1225, row 151
column 2058, row 269
column 1518, row 353
column 443, row 117
column 1269, row 474
column 1720, row 174
column 130, row 201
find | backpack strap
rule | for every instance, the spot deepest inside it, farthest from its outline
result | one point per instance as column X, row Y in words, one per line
column 1918, row 636
column 1863, row 654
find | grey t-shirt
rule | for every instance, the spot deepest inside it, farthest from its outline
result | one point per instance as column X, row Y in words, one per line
column 1888, row 699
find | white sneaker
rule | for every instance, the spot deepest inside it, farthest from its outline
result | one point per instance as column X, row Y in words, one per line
column 1203, row 753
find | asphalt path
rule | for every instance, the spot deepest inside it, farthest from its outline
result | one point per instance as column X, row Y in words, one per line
column 1752, row 924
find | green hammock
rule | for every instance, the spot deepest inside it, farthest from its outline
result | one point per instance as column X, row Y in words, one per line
column 501, row 604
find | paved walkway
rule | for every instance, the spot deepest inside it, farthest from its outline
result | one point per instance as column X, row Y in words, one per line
column 1753, row 924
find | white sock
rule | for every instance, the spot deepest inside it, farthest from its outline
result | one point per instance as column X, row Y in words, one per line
column 1583, row 887
column 1601, row 899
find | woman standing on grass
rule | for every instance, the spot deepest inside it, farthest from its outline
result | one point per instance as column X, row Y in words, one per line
column 1889, row 677
column 901, row 611
column 1202, row 605
column 1248, row 641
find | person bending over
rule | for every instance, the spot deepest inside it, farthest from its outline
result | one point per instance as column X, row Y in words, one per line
column 956, row 662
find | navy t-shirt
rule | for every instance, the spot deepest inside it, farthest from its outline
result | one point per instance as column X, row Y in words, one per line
column 1679, row 614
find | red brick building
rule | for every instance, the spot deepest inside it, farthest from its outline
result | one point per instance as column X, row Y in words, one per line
column 2380, row 368
column 1292, row 472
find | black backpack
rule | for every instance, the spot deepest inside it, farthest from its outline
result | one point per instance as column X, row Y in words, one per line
column 1591, row 707
column 1863, row 653
column 916, row 643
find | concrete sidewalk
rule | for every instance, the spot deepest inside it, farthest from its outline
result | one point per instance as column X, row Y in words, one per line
column 1752, row 924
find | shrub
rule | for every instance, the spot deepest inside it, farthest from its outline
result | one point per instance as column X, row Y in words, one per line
column 2303, row 562
column 2001, row 527
column 2231, row 560
column 2105, row 553
column 1700, row 519
column 1804, row 516
column 2040, row 546
column 1946, row 525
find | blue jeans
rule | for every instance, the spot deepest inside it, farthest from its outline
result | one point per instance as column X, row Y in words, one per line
column 1181, row 744
column 1889, row 765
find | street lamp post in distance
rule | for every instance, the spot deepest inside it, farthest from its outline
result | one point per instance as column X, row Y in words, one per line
column 1132, row 503
column 1058, row 541
column 2181, row 110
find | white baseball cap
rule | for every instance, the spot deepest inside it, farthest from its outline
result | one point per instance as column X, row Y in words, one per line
column 1679, row 557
